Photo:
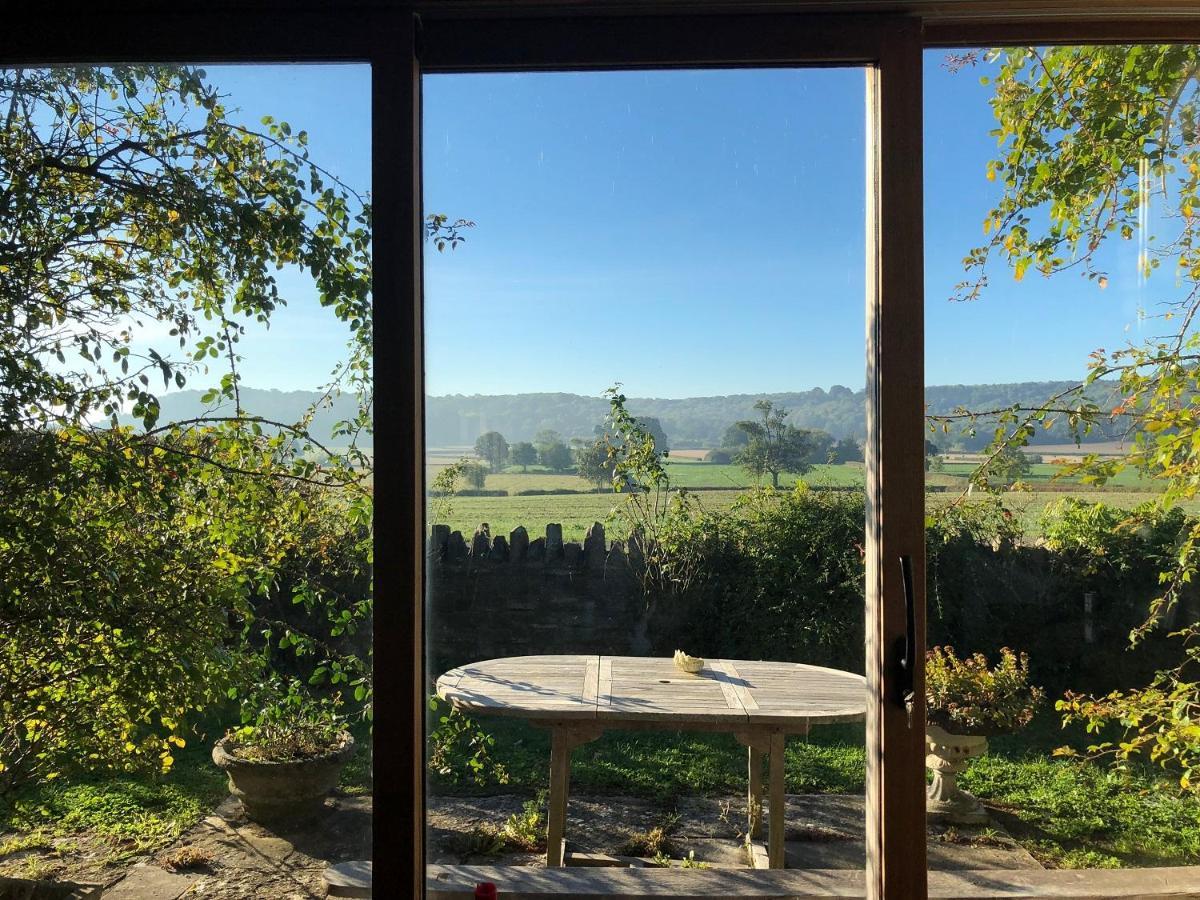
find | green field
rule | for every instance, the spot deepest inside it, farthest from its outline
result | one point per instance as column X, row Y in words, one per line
column 1045, row 472
column 684, row 473
column 717, row 486
column 692, row 474
column 575, row 512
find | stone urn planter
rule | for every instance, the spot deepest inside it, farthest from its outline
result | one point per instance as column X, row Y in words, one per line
column 273, row 791
column 946, row 755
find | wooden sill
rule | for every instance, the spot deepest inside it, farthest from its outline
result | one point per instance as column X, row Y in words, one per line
column 458, row 883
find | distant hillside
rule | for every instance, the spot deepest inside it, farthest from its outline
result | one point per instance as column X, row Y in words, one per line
column 701, row 421
column 457, row 420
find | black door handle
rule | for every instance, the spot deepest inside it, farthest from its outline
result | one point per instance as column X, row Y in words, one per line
column 906, row 646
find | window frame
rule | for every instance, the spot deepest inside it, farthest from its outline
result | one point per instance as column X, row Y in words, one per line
column 393, row 36
column 889, row 48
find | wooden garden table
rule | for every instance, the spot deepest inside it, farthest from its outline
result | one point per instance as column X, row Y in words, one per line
column 580, row 697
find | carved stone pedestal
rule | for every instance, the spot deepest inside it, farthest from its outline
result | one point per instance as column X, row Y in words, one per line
column 946, row 756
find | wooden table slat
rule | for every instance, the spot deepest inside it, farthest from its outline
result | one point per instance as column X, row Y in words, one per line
column 626, row 689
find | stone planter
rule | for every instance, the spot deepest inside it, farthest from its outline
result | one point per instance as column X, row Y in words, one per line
column 946, row 756
column 281, row 791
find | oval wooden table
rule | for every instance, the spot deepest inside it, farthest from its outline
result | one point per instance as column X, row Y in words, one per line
column 579, row 697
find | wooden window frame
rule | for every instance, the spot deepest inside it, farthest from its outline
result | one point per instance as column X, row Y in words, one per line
column 889, row 49
column 402, row 39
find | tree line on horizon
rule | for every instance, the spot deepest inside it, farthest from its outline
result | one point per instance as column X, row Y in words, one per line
column 700, row 422
column 766, row 445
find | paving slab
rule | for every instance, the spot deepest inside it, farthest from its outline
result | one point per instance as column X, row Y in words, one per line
column 824, row 831
column 147, row 881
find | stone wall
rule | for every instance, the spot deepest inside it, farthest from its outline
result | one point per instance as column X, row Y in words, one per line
column 500, row 595
column 509, row 595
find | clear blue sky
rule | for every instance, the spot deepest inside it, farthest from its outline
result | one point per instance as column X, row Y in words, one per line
column 687, row 233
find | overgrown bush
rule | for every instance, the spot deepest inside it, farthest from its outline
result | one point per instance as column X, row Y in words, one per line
column 1098, row 539
column 141, row 589
column 779, row 577
column 125, row 582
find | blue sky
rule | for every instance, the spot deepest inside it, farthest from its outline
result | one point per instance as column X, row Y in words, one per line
column 686, row 233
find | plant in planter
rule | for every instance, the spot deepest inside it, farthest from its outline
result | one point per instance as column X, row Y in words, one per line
column 287, row 755
column 966, row 701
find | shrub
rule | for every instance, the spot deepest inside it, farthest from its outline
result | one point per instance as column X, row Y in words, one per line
column 966, row 696
column 143, row 586
column 1096, row 537
column 125, row 581
column 288, row 724
column 779, row 577
column 719, row 456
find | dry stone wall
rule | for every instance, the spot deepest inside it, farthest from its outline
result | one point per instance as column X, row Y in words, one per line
column 498, row 595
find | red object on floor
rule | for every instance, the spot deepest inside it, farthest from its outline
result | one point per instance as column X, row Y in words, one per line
column 485, row 891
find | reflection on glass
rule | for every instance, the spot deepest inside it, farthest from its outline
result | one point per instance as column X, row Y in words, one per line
column 644, row 304
column 1060, row 487
column 185, row 513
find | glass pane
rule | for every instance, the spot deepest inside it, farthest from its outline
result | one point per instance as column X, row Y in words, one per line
column 185, row 591
column 693, row 240
column 1061, row 287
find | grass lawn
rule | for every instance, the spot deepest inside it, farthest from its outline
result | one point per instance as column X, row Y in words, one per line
column 115, row 817
column 1067, row 814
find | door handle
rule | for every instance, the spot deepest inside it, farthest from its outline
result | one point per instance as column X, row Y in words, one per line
column 906, row 646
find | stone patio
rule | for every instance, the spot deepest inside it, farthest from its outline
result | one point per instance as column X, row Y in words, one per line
column 824, row 831
column 248, row 861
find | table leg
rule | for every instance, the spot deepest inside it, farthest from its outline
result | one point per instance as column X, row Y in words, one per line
column 754, row 798
column 556, row 815
column 775, row 825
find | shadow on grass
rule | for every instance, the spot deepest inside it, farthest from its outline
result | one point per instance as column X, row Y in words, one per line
column 132, row 813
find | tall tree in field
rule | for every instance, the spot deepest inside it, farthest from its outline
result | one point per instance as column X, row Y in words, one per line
column 820, row 445
column 493, row 449
column 845, row 450
column 476, row 475
column 523, row 454
column 1096, row 145
column 734, row 437
column 593, row 463
column 1011, row 464
column 654, row 428
column 773, row 446
column 556, row 456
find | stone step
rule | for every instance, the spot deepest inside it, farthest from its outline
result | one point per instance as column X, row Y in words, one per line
column 349, row 879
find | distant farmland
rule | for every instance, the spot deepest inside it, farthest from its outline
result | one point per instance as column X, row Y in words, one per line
column 717, row 487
